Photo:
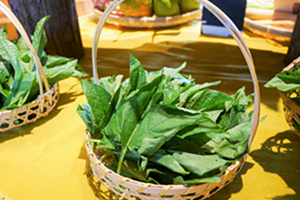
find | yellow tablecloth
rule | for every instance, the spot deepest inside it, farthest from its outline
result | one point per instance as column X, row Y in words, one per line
column 47, row 159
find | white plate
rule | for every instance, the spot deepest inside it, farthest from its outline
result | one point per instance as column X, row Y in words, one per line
column 150, row 22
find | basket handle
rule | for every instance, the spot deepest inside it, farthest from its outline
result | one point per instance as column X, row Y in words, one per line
column 38, row 64
column 226, row 21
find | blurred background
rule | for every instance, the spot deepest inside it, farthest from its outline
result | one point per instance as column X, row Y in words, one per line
column 83, row 7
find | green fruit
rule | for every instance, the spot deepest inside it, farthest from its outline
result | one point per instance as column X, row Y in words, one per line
column 164, row 8
column 188, row 5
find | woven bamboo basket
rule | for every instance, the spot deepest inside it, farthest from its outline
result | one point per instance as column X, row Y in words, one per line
column 291, row 109
column 129, row 188
column 44, row 103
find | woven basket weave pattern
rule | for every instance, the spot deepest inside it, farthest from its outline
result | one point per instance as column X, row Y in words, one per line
column 129, row 188
column 29, row 113
column 291, row 110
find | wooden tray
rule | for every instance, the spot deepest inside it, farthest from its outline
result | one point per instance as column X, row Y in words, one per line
column 150, row 22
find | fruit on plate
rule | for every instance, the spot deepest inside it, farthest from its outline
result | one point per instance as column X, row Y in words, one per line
column 136, row 8
column 188, row 5
column 164, row 8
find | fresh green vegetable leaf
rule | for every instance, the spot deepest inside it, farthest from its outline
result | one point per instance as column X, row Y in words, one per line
column 160, row 125
column 4, row 74
column 199, row 164
column 193, row 89
column 79, row 72
column 9, row 52
column 39, row 39
column 88, row 117
column 98, row 100
column 52, row 61
column 137, row 74
column 163, row 158
column 3, row 32
column 206, row 100
column 111, row 84
column 128, row 116
column 20, row 91
column 58, row 73
column 22, row 45
column 179, row 180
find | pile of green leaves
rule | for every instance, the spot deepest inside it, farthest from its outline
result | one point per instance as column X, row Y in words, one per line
column 161, row 127
column 18, row 74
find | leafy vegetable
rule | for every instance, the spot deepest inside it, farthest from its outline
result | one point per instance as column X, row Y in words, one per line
column 18, row 75
column 285, row 80
column 163, row 128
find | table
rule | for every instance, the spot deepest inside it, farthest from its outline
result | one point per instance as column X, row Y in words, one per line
column 47, row 159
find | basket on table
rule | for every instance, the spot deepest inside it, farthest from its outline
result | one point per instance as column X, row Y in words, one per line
column 129, row 188
column 44, row 103
column 291, row 108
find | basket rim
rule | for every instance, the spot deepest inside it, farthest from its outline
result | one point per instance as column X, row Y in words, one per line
column 90, row 152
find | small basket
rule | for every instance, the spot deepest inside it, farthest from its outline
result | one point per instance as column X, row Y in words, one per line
column 44, row 103
column 291, row 109
column 129, row 188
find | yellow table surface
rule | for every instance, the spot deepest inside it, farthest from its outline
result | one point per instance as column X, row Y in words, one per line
column 47, row 159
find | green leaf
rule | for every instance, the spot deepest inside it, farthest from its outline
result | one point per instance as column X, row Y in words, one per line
column 240, row 132
column 204, row 125
column 137, row 74
column 130, row 170
column 178, row 145
column 213, row 179
column 26, row 61
column 22, row 45
column 163, row 158
column 170, row 95
column 9, row 52
column 206, row 100
column 52, row 61
column 125, row 120
column 4, row 92
column 199, row 164
column 4, row 74
column 160, row 125
column 3, row 32
column 111, row 84
column 98, row 100
column 88, row 117
column 61, row 72
column 79, row 72
column 192, row 90
column 39, row 38
column 20, row 91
